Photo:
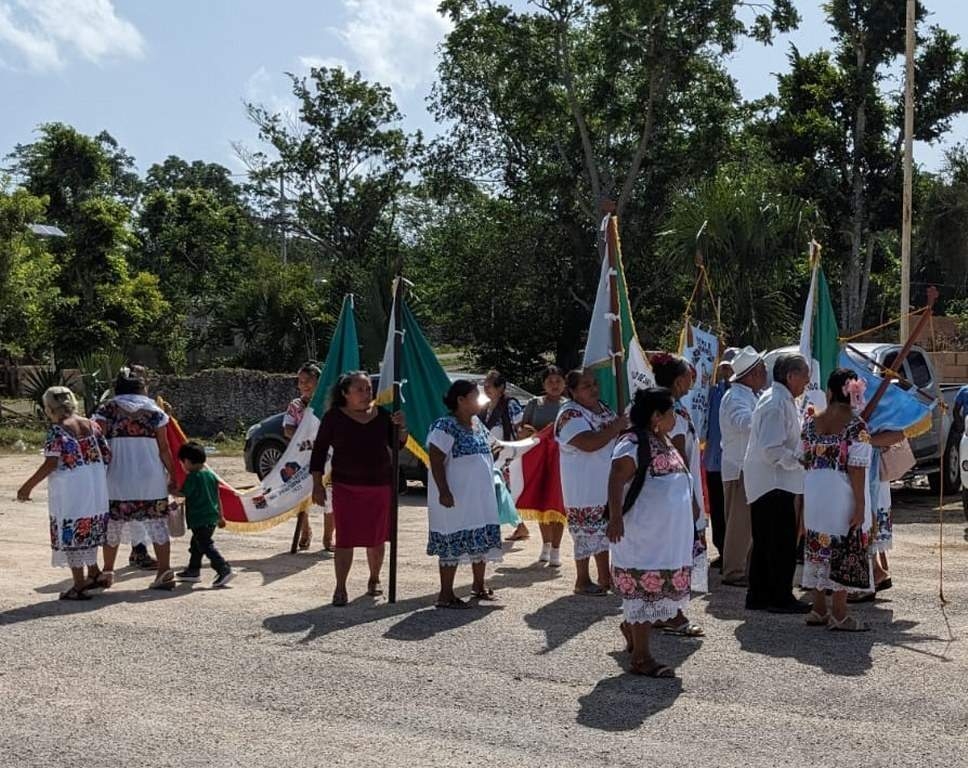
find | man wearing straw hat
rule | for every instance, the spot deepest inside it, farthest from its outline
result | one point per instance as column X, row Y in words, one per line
column 735, row 418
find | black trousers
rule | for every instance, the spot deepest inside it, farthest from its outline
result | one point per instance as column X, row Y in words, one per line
column 717, row 509
column 202, row 545
column 774, row 555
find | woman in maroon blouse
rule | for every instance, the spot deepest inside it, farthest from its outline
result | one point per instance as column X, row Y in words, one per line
column 360, row 435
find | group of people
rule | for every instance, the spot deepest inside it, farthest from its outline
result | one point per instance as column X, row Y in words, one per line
column 110, row 480
column 780, row 480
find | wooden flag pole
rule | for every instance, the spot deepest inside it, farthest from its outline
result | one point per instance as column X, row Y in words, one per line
column 398, row 291
column 618, row 348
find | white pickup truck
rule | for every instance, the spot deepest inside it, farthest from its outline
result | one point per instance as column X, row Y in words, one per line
column 936, row 451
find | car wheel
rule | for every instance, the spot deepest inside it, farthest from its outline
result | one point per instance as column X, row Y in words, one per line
column 266, row 457
column 952, row 467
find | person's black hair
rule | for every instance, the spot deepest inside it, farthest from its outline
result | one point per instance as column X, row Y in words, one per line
column 337, row 395
column 572, row 380
column 551, row 370
column 193, row 452
column 129, row 383
column 787, row 363
column 667, row 368
column 460, row 388
column 835, row 385
column 645, row 404
column 496, row 378
column 311, row 368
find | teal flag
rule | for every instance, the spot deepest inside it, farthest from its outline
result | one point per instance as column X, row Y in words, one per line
column 423, row 382
column 343, row 355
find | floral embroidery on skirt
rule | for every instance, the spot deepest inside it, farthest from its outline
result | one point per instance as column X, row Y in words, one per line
column 468, row 546
column 587, row 528
column 652, row 595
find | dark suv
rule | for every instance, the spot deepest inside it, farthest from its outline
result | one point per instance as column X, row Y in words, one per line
column 265, row 441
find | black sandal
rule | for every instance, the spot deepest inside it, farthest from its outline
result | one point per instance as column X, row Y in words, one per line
column 454, row 604
column 340, row 598
column 74, row 594
column 373, row 588
column 484, row 594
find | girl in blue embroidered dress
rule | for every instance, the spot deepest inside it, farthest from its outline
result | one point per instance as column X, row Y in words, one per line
column 461, row 503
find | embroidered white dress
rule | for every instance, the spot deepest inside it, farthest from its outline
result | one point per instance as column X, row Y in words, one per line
column 652, row 562
column 469, row 531
column 685, row 428
column 828, row 501
column 137, row 481
column 584, row 477
column 77, row 496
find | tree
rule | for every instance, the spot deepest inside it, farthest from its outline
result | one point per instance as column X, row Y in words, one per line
column 29, row 296
column 842, row 132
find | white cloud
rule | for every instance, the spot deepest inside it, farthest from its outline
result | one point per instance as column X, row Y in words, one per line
column 393, row 43
column 43, row 33
column 321, row 62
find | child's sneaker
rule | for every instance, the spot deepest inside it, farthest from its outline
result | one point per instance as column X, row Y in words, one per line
column 545, row 553
column 192, row 576
column 223, row 578
column 554, row 558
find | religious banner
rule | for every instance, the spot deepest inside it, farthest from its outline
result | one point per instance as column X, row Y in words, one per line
column 701, row 349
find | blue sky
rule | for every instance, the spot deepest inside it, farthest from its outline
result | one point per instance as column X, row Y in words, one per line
column 170, row 76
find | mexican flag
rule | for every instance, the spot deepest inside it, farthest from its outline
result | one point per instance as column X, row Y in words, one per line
column 599, row 347
column 423, row 382
column 819, row 335
column 286, row 490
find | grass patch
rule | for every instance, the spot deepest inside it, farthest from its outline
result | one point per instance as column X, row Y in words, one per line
column 30, row 434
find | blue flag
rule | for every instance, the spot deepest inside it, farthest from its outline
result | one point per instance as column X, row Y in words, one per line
column 898, row 410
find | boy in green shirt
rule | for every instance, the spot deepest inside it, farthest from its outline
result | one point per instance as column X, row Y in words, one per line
column 203, row 512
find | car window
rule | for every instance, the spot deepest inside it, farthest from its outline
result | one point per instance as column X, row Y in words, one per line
column 920, row 370
column 889, row 360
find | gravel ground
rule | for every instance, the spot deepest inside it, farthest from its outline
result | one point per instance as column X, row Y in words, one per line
column 266, row 672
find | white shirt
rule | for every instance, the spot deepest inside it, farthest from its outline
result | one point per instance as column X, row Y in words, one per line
column 772, row 459
column 735, row 419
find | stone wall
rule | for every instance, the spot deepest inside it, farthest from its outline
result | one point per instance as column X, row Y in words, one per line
column 224, row 399
column 952, row 367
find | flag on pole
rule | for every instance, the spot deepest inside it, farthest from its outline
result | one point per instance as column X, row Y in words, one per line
column 897, row 410
column 819, row 336
column 423, row 382
column 286, row 490
column 700, row 348
column 599, row 347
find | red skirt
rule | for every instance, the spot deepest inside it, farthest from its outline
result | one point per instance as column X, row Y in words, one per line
column 361, row 515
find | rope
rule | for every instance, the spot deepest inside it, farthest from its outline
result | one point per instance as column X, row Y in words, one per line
column 942, row 443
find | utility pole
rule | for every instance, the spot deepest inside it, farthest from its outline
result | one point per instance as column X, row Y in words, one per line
column 908, row 173
column 282, row 215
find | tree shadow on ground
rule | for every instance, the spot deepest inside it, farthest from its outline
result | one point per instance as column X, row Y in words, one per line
column 99, row 600
column 625, row 701
column 569, row 616
column 846, row 654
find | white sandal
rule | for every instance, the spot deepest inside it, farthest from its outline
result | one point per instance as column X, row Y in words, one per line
column 815, row 619
column 165, row 581
column 849, row 624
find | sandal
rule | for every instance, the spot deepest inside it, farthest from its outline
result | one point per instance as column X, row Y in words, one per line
column 373, row 588
column 340, row 598
column 861, row 597
column 454, row 604
column 327, row 545
column 483, row 594
column 104, row 580
column 627, row 634
column 592, row 590
column 655, row 669
column 849, row 624
column 686, row 629
column 815, row 619
column 74, row 594
column 518, row 535
column 166, row 581
column 305, row 540
column 884, row 584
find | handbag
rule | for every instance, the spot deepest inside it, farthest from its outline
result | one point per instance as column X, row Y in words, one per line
column 849, row 562
column 897, row 461
column 176, row 519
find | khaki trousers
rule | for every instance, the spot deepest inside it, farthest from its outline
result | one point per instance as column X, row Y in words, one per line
column 739, row 531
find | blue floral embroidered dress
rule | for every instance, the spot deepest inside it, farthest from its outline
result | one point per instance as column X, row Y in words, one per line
column 77, row 496
column 652, row 562
column 584, row 476
column 828, row 500
column 137, row 481
column 469, row 531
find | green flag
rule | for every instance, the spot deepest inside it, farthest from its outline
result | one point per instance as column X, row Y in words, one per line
column 819, row 336
column 343, row 355
column 423, row 382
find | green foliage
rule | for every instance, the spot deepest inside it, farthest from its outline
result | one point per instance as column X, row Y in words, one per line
column 42, row 378
column 99, row 370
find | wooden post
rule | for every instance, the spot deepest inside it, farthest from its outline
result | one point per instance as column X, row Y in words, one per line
column 618, row 347
column 908, row 173
column 398, row 290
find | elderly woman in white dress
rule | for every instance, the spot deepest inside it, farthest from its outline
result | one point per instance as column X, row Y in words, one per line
column 461, row 500
column 140, row 476
column 75, row 461
column 650, row 525
column 837, row 512
column 586, row 430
